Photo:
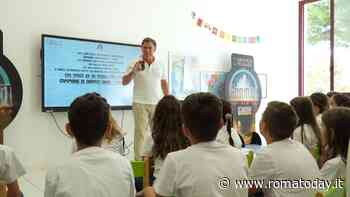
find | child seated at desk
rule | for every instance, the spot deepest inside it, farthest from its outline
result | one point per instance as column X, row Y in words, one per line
column 283, row 159
column 337, row 122
column 166, row 136
column 91, row 171
column 229, row 133
column 200, row 169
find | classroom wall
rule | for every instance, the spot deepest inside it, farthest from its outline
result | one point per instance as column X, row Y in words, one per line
column 34, row 135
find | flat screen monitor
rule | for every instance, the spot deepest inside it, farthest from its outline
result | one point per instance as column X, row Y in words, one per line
column 72, row 67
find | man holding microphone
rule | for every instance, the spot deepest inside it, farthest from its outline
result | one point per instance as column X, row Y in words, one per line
column 150, row 82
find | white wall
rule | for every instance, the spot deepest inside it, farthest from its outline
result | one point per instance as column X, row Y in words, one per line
column 33, row 134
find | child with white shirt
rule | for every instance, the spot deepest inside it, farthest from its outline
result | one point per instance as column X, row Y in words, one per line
column 283, row 159
column 10, row 167
column 337, row 122
column 320, row 103
column 228, row 134
column 308, row 131
column 10, row 170
column 339, row 100
column 113, row 141
column 166, row 135
column 91, row 171
column 200, row 169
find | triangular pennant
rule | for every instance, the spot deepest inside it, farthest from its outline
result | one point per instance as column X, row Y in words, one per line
column 234, row 38
column 222, row 34
column 193, row 14
column 215, row 31
column 228, row 36
column 251, row 40
column 199, row 22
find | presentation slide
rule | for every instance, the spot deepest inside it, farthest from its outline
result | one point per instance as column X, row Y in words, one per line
column 73, row 67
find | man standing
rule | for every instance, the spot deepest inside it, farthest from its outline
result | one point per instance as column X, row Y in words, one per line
column 150, row 80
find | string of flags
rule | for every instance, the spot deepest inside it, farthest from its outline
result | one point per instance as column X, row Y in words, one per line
column 223, row 34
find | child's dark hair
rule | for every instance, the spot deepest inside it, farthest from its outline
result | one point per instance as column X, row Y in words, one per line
column 167, row 128
column 332, row 93
column 306, row 116
column 337, row 124
column 281, row 120
column 89, row 118
column 320, row 100
column 341, row 100
column 202, row 113
column 227, row 112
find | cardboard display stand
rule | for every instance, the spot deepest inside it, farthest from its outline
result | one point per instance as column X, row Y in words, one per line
column 11, row 93
column 11, row 90
column 243, row 90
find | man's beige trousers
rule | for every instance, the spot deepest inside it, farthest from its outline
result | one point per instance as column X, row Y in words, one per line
column 143, row 114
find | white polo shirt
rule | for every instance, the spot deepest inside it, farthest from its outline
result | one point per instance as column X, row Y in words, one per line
column 333, row 169
column 309, row 138
column 10, row 167
column 116, row 145
column 147, row 86
column 91, row 172
column 285, row 160
column 202, row 170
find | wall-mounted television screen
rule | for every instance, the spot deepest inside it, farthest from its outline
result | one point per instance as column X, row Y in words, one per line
column 72, row 67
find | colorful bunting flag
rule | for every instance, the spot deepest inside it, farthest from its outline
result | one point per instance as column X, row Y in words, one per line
column 207, row 26
column 215, row 31
column 251, row 40
column 228, row 37
column 199, row 22
column 222, row 34
column 193, row 15
column 234, row 38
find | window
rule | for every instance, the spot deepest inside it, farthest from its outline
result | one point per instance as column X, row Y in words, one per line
column 316, row 46
column 324, row 46
column 342, row 46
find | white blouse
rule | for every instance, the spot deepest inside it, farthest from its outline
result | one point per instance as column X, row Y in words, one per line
column 223, row 137
column 309, row 138
column 333, row 169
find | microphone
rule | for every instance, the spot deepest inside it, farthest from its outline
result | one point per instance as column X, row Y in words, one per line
column 142, row 65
